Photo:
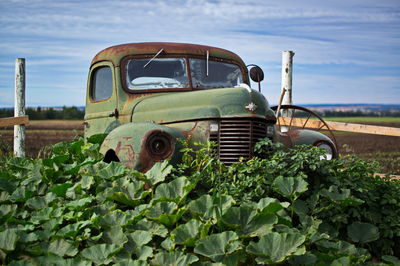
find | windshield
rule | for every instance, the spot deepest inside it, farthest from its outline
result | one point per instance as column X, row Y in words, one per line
column 161, row 73
column 156, row 74
column 220, row 75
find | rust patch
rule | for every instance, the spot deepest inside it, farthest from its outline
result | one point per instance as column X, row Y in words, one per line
column 126, row 138
column 189, row 133
column 115, row 53
column 128, row 149
column 129, row 157
column 285, row 139
column 293, row 133
column 118, row 148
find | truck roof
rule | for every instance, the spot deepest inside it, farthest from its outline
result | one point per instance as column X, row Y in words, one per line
column 117, row 52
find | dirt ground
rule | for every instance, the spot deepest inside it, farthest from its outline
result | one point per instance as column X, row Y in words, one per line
column 40, row 134
column 381, row 148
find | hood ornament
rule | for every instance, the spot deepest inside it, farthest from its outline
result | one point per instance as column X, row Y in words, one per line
column 251, row 107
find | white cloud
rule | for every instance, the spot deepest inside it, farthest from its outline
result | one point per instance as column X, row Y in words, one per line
column 66, row 34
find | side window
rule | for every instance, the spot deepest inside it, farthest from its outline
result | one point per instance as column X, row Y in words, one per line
column 101, row 83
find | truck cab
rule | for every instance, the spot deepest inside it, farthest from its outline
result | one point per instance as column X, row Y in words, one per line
column 148, row 96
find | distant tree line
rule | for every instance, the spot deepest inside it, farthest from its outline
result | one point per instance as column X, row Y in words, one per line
column 385, row 113
column 45, row 113
column 74, row 113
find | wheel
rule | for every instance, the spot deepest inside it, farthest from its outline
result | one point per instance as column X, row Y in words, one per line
column 297, row 117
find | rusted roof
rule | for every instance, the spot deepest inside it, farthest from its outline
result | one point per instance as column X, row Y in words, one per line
column 116, row 53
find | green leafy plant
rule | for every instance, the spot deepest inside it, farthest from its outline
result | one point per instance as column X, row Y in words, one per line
column 287, row 207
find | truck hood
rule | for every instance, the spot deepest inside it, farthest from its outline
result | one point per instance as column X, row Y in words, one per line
column 202, row 104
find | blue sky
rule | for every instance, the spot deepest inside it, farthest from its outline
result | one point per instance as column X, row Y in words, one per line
column 346, row 51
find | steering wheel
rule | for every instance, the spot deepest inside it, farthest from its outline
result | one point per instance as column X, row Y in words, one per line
column 293, row 111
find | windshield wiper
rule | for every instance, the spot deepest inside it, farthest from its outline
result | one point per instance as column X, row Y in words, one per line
column 157, row 54
column 208, row 57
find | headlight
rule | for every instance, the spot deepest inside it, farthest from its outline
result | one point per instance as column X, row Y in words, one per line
column 159, row 145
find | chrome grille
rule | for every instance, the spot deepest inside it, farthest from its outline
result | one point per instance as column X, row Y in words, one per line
column 236, row 138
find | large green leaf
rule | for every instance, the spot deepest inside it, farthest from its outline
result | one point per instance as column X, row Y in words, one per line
column 340, row 247
column 80, row 203
column 51, row 259
column 201, row 205
column 4, row 196
column 136, row 245
column 343, row 196
column 158, row 172
column 8, row 239
column 219, row 247
column 151, row 227
column 248, row 222
column 20, row 163
column 97, row 138
column 114, row 218
column 34, row 177
column 341, row 261
column 7, row 209
column 42, row 215
column 175, row 190
column 166, row 213
column 112, row 171
column 271, row 205
column 130, row 262
column 21, row 194
column 115, row 235
column 70, row 230
column 290, row 187
column 63, row 248
column 276, row 247
column 60, row 189
column 238, row 217
column 27, row 237
column 130, row 193
column 7, row 182
column 305, row 259
column 391, row 259
column 101, row 253
column 143, row 252
column 208, row 207
column 363, row 232
column 185, row 234
column 36, row 203
column 174, row 258
column 140, row 237
column 87, row 182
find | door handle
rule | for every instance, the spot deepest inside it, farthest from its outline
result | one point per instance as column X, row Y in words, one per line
column 114, row 114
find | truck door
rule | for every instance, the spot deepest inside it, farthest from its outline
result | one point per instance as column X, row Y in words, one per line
column 101, row 114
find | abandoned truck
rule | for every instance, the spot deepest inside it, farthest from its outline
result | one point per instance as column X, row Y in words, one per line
column 147, row 96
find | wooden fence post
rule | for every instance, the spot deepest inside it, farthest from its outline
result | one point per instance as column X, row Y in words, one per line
column 286, row 97
column 287, row 66
column 19, row 109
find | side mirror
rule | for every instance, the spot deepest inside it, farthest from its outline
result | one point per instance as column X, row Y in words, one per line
column 256, row 74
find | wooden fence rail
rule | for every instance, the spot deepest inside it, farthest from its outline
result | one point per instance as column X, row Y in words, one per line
column 13, row 121
column 340, row 126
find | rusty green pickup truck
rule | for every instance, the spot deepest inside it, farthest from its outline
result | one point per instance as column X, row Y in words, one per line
column 148, row 96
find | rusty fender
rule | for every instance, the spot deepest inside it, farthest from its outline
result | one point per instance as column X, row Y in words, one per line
column 139, row 145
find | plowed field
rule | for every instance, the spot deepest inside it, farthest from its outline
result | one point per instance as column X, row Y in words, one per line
column 384, row 149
